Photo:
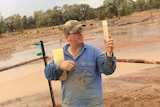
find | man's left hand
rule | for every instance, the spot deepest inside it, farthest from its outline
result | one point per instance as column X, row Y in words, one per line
column 109, row 46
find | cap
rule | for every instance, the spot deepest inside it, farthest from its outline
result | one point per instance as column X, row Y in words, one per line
column 71, row 26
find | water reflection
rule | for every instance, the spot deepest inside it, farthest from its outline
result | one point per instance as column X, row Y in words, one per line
column 136, row 29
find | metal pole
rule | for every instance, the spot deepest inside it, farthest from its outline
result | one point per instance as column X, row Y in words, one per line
column 49, row 82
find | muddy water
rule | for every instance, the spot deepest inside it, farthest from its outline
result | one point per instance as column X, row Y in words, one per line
column 133, row 30
column 136, row 29
column 26, row 55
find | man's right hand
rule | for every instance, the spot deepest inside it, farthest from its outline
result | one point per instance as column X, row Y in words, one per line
column 67, row 65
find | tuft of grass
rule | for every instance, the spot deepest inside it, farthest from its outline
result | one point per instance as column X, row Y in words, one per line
column 124, row 99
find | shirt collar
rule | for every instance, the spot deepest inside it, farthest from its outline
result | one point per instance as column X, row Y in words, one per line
column 65, row 48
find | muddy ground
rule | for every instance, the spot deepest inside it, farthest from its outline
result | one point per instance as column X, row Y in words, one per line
column 132, row 85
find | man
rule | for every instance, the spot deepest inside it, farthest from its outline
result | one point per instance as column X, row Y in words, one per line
column 84, row 64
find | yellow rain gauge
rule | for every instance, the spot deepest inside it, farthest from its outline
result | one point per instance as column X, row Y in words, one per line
column 105, row 29
column 58, row 57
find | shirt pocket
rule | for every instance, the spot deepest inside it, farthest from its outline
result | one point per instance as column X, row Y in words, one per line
column 88, row 68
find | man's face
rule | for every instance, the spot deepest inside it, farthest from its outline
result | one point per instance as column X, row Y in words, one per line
column 76, row 38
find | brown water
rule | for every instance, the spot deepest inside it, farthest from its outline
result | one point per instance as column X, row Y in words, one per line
column 96, row 39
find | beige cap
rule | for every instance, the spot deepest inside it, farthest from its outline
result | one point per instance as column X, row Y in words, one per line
column 71, row 27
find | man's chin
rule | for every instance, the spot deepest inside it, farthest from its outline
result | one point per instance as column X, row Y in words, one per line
column 81, row 41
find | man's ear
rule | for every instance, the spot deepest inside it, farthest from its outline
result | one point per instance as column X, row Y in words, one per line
column 67, row 37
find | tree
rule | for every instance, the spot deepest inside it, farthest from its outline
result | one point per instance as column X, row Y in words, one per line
column 39, row 18
column 17, row 23
column 31, row 22
column 78, row 12
column 14, row 23
column 25, row 22
column 155, row 4
column 57, row 15
column 102, row 12
column 10, row 23
column 126, row 8
column 48, row 17
column 2, row 25
column 113, row 6
column 140, row 5
column 118, row 7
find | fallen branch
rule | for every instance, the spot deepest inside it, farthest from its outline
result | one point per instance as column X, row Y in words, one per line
column 20, row 64
column 138, row 61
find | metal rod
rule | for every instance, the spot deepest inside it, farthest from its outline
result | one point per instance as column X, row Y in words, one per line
column 49, row 82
